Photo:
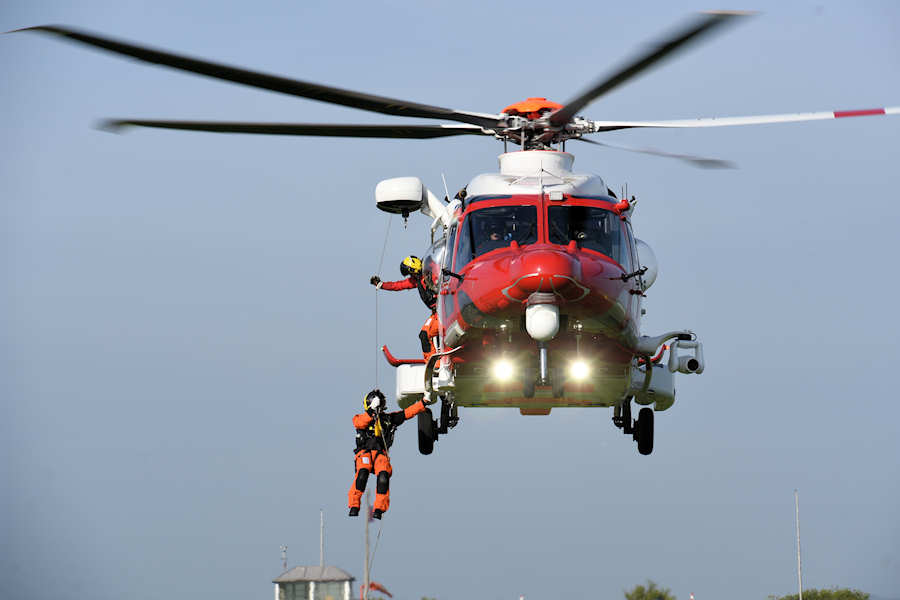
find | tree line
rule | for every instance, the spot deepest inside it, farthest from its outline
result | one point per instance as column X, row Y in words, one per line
column 652, row 591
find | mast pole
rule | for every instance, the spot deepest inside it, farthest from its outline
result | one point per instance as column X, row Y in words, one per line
column 799, row 564
column 365, row 594
column 321, row 537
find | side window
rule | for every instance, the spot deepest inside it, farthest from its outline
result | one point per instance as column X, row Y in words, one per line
column 464, row 246
column 629, row 258
column 451, row 244
column 431, row 264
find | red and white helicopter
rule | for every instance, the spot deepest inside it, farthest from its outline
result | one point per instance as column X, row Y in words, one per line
column 537, row 271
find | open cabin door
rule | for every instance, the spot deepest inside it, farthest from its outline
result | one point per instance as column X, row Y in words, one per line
column 447, row 287
column 438, row 258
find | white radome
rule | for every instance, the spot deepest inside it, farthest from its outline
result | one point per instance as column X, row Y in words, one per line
column 542, row 321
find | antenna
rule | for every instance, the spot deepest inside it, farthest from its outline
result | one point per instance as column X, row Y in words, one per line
column 799, row 566
column 446, row 189
column 283, row 558
column 321, row 537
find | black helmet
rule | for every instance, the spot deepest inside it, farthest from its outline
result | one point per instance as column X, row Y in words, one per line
column 367, row 400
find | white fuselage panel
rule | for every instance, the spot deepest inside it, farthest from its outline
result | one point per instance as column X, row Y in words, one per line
column 536, row 172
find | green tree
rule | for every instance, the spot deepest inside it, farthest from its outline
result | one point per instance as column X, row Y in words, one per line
column 831, row 594
column 651, row 592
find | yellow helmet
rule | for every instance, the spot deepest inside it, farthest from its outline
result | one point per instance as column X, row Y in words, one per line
column 411, row 265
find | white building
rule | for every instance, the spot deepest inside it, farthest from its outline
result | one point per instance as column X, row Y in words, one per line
column 313, row 583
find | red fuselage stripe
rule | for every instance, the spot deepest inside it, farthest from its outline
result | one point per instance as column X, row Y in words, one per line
column 858, row 113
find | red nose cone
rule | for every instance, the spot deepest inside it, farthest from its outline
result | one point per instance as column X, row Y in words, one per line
column 548, row 271
column 548, row 262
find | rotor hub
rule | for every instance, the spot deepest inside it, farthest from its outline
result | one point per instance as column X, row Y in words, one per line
column 532, row 108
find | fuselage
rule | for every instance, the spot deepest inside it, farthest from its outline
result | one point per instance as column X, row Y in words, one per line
column 547, row 260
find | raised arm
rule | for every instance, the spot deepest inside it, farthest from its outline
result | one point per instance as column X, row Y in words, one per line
column 393, row 286
column 408, row 413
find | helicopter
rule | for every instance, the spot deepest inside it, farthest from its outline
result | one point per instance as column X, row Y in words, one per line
column 539, row 276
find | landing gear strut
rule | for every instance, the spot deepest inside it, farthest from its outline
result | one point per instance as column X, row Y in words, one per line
column 449, row 417
column 555, row 377
column 640, row 430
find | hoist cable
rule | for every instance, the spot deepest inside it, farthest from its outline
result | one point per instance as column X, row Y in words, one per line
column 380, row 264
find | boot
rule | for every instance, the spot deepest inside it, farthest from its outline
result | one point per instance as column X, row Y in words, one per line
column 376, row 514
column 354, row 511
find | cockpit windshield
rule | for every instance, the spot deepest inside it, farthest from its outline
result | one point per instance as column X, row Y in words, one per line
column 590, row 227
column 495, row 227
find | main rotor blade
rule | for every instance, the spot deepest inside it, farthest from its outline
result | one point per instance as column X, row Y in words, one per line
column 284, row 85
column 667, row 46
column 752, row 120
column 419, row 132
column 696, row 161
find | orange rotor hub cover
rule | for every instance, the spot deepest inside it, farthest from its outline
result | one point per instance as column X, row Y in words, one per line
column 532, row 108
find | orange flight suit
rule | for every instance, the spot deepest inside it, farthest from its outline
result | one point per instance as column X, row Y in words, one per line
column 372, row 456
column 431, row 329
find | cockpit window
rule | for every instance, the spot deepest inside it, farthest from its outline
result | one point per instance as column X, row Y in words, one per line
column 495, row 227
column 590, row 227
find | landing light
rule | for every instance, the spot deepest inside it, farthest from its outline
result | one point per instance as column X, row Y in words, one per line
column 579, row 370
column 503, row 370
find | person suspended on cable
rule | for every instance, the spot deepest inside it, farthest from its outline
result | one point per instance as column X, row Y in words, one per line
column 374, row 435
column 411, row 268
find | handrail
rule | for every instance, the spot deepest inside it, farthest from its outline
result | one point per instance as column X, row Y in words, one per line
column 396, row 362
column 656, row 358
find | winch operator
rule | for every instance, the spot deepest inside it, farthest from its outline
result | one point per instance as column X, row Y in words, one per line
column 411, row 268
column 374, row 435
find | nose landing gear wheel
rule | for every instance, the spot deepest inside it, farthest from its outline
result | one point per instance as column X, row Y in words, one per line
column 528, row 388
column 427, row 432
column 643, row 431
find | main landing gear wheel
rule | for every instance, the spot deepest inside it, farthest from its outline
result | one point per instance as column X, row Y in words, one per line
column 558, row 380
column 427, row 432
column 643, row 431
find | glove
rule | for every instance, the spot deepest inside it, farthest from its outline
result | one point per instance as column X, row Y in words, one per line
column 375, row 280
column 376, row 405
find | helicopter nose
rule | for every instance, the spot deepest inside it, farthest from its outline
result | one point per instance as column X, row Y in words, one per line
column 549, row 271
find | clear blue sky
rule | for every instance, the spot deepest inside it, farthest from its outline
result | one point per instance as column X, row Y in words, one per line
column 188, row 325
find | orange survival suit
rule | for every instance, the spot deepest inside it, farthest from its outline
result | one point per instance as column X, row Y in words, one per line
column 374, row 436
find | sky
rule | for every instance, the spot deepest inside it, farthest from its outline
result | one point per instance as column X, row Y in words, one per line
column 188, row 326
